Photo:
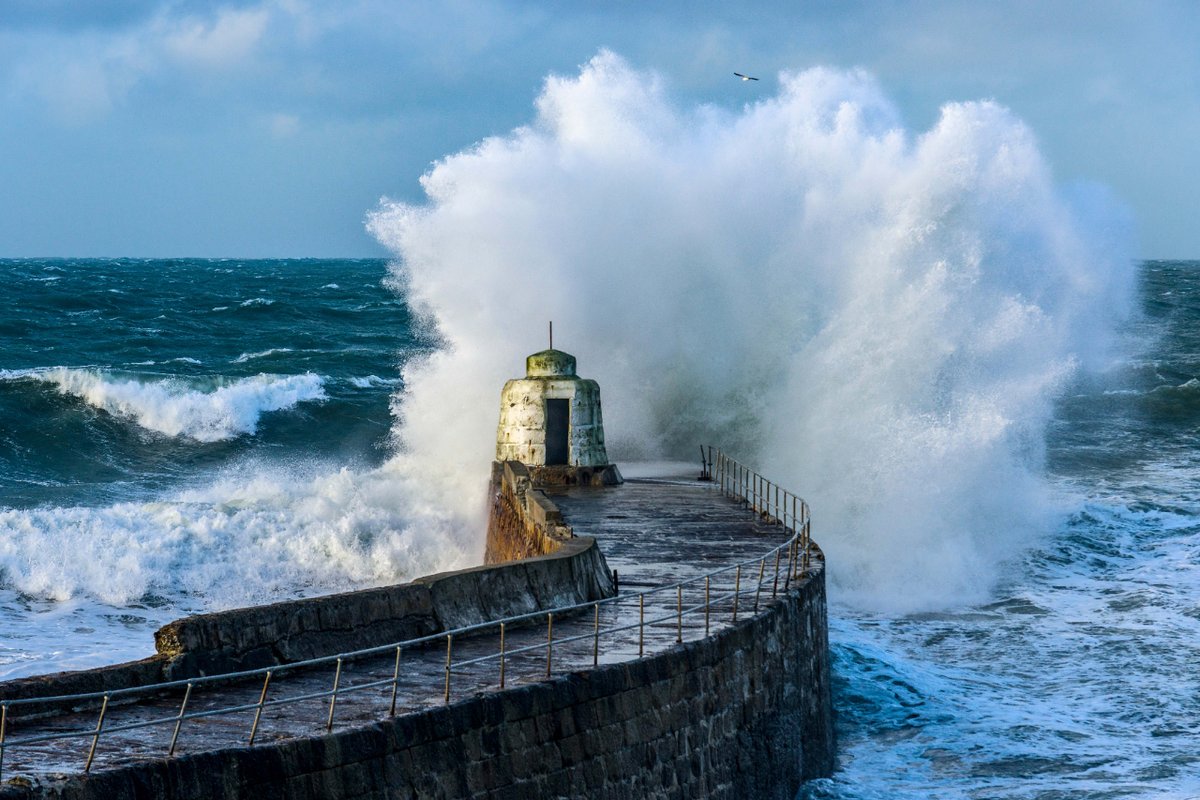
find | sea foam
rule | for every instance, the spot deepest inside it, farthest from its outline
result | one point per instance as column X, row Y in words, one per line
column 879, row 319
column 253, row 534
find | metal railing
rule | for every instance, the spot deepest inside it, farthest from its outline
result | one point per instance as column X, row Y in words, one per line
column 765, row 498
column 777, row 568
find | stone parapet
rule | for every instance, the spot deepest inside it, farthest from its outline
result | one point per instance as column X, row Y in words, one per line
column 522, row 522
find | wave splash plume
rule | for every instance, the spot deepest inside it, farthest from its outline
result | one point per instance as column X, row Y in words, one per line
column 879, row 318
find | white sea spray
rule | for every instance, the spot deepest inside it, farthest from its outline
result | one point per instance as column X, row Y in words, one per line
column 877, row 318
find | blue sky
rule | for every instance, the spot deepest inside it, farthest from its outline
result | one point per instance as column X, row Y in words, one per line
column 270, row 128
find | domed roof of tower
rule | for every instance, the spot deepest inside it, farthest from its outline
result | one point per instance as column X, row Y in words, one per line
column 550, row 364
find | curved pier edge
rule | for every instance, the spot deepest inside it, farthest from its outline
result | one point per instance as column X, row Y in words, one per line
column 570, row 570
column 745, row 712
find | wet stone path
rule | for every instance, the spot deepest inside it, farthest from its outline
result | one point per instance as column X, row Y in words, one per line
column 653, row 532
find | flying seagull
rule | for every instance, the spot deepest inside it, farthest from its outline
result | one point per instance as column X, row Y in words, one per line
column 745, row 77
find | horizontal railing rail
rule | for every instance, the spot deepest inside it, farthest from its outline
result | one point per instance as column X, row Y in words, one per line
column 772, row 504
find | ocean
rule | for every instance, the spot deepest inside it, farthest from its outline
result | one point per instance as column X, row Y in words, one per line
column 184, row 435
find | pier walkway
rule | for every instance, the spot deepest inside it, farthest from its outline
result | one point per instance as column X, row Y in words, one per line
column 653, row 532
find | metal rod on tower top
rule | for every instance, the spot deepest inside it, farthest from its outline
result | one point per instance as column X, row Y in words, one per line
column 551, row 334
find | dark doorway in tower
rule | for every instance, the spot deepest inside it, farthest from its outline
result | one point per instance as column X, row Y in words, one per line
column 558, row 415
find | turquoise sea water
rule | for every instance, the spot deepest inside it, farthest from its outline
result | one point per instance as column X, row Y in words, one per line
column 125, row 378
column 181, row 435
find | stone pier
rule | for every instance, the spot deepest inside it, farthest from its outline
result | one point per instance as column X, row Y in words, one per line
column 741, row 712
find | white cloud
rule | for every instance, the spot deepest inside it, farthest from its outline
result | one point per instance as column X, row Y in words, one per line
column 283, row 126
column 220, row 42
column 81, row 77
column 87, row 79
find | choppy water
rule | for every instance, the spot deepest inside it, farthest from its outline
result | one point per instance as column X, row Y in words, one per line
column 122, row 378
column 181, row 435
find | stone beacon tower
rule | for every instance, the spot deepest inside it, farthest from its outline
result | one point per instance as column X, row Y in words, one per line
column 551, row 433
column 550, row 421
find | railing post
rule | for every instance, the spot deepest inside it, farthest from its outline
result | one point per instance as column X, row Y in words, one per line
column 501, row 655
column 807, row 535
column 596, row 638
column 3, row 731
column 737, row 591
column 707, row 605
column 337, row 679
column 775, row 583
column 679, row 614
column 262, row 698
column 807, row 543
column 549, row 642
column 395, row 683
column 449, row 650
column 96, row 736
column 793, row 543
column 187, row 695
column 795, row 563
column 762, row 570
column 641, row 624
column 799, row 550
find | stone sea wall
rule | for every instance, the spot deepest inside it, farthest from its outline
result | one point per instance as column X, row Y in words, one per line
column 745, row 713
column 523, row 522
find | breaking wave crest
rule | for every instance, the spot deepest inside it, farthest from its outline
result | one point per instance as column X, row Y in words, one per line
column 253, row 535
column 175, row 407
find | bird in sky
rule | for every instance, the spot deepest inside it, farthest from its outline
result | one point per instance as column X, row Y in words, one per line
column 745, row 77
